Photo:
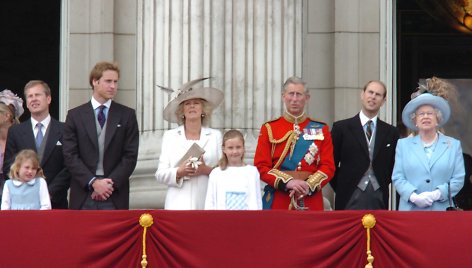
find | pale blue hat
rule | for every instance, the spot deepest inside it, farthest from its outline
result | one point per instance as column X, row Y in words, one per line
column 425, row 99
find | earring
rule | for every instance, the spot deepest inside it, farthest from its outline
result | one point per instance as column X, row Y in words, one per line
column 183, row 116
column 203, row 115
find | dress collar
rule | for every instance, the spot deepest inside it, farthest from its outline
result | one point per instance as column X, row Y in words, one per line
column 19, row 183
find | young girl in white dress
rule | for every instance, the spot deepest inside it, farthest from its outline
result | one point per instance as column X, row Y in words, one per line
column 27, row 189
column 233, row 185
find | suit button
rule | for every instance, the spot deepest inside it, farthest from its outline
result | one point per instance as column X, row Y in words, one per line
column 428, row 181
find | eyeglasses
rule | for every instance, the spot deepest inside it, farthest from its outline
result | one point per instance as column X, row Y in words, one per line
column 424, row 114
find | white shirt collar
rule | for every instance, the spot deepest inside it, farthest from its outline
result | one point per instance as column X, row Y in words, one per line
column 45, row 122
column 96, row 104
column 364, row 119
column 19, row 183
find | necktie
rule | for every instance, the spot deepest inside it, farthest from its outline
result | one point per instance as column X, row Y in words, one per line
column 101, row 115
column 368, row 130
column 39, row 135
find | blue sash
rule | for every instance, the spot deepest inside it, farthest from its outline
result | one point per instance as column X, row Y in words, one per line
column 268, row 197
column 301, row 147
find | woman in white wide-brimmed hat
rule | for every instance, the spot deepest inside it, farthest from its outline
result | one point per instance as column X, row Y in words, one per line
column 183, row 166
column 429, row 167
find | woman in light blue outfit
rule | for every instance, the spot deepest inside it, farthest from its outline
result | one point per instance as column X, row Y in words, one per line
column 429, row 167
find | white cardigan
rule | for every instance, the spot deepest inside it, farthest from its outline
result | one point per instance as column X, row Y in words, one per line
column 190, row 192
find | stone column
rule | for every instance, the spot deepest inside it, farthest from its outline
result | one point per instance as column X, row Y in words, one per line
column 248, row 48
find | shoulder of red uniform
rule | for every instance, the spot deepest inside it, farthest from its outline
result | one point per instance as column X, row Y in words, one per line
column 317, row 124
column 274, row 120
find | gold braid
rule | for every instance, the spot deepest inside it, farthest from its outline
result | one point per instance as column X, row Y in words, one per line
column 290, row 136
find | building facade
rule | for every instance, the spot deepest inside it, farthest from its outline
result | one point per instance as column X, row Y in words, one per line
column 248, row 48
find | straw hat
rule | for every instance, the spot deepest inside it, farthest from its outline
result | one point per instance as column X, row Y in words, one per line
column 10, row 98
column 425, row 99
column 212, row 95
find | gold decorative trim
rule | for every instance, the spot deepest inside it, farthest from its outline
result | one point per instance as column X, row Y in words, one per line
column 294, row 119
column 279, row 176
column 369, row 222
column 290, row 137
column 271, row 136
column 315, row 180
column 145, row 220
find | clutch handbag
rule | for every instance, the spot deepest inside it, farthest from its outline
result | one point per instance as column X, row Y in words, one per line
column 194, row 151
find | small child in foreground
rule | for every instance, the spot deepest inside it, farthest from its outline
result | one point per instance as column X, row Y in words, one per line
column 27, row 189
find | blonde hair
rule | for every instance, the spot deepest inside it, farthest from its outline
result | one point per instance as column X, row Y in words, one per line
column 230, row 134
column 33, row 83
column 206, row 112
column 6, row 109
column 20, row 158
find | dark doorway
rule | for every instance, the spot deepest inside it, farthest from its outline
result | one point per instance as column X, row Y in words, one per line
column 29, row 47
column 427, row 47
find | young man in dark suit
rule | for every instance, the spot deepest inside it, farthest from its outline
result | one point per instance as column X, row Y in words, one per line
column 43, row 134
column 364, row 154
column 101, row 140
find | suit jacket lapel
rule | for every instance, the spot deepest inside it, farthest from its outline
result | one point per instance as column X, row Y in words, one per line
column 26, row 134
column 88, row 120
column 417, row 149
column 441, row 147
column 204, row 137
column 357, row 131
column 53, row 136
column 380, row 136
column 112, row 123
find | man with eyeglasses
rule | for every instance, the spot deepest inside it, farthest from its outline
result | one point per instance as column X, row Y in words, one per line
column 364, row 154
column 294, row 154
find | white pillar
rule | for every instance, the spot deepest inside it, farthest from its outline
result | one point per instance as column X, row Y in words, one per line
column 248, row 48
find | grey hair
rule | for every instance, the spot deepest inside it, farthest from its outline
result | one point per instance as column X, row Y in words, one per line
column 438, row 113
column 295, row 80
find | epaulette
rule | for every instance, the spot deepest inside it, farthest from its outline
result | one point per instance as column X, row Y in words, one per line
column 317, row 124
column 273, row 120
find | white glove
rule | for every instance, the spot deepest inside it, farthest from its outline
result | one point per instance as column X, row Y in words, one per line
column 433, row 195
column 421, row 200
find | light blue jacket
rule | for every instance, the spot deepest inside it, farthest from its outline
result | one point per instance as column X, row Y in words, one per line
column 413, row 172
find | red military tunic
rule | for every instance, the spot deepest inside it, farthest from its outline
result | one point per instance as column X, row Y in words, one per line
column 276, row 142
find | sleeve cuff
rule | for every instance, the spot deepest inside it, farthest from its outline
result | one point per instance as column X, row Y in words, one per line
column 315, row 180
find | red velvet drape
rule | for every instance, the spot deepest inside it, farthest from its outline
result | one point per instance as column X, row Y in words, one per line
column 234, row 239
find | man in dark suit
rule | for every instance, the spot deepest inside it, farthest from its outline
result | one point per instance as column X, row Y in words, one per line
column 101, row 140
column 364, row 154
column 43, row 134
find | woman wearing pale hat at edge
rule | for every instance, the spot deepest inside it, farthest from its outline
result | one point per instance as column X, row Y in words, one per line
column 429, row 163
column 191, row 108
column 11, row 108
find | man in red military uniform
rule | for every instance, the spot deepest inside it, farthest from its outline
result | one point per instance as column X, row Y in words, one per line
column 294, row 154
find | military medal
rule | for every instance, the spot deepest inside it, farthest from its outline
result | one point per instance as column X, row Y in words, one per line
column 310, row 156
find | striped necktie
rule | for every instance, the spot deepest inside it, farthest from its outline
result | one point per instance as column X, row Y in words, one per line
column 368, row 130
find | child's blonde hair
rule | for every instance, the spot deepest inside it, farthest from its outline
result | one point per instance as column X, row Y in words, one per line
column 21, row 157
column 230, row 134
